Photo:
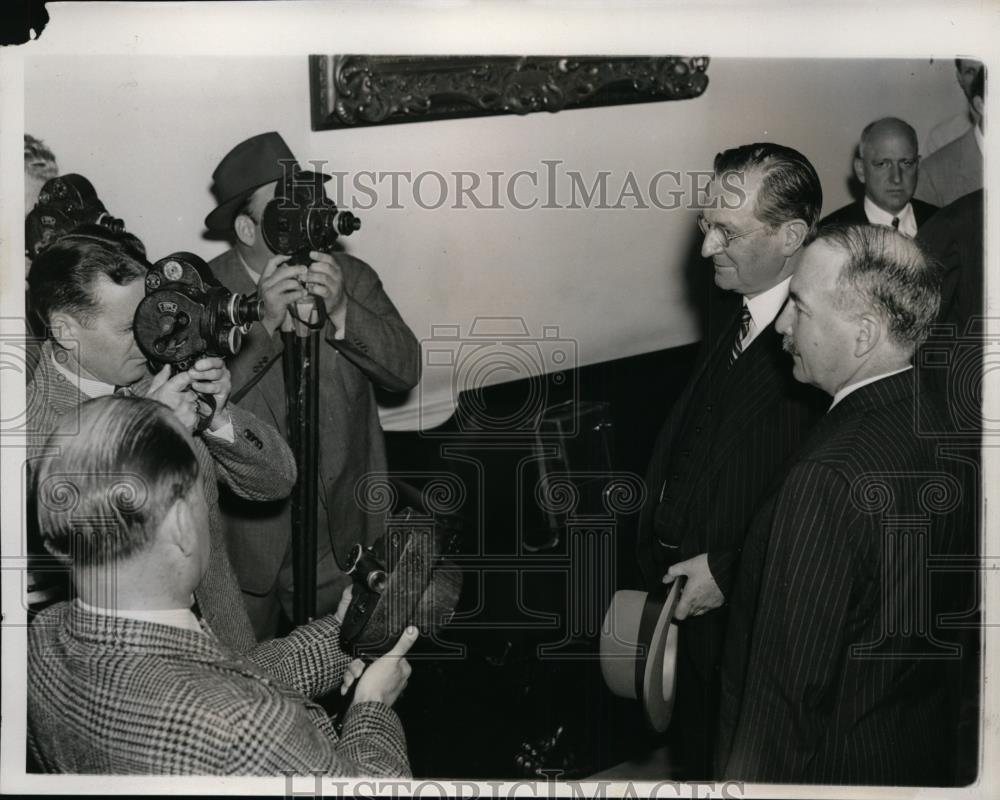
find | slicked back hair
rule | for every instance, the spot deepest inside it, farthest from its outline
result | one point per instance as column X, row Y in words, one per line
column 64, row 275
column 120, row 467
column 890, row 274
column 789, row 189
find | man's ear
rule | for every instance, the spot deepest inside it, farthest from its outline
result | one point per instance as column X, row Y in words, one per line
column 245, row 230
column 179, row 525
column 859, row 170
column 869, row 334
column 977, row 106
column 65, row 330
column 793, row 236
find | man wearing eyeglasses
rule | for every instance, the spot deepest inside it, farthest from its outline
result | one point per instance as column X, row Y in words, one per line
column 736, row 422
column 887, row 165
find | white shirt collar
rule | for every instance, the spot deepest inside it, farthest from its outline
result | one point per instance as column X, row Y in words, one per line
column 879, row 216
column 254, row 275
column 855, row 386
column 175, row 617
column 979, row 137
column 86, row 386
column 764, row 309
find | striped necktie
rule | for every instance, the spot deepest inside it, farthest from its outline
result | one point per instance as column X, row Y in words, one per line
column 741, row 334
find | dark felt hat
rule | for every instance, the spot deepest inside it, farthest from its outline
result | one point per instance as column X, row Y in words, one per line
column 248, row 166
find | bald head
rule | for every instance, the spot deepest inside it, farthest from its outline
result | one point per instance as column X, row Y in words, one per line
column 887, row 163
column 886, row 128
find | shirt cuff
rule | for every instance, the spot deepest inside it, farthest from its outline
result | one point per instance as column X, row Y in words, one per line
column 226, row 433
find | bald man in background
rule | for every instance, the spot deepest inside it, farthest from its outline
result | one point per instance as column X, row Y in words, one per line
column 887, row 165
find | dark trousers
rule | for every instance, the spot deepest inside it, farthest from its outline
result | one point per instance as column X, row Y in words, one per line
column 695, row 721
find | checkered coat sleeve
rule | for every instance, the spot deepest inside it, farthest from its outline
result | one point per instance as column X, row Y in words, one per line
column 119, row 696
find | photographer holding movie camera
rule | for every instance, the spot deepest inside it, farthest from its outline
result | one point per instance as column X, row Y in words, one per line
column 283, row 228
column 87, row 286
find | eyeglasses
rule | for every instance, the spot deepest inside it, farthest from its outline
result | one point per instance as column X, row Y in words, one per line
column 709, row 228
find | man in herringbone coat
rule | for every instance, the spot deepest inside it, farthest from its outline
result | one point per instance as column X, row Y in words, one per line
column 837, row 668
column 145, row 687
column 87, row 288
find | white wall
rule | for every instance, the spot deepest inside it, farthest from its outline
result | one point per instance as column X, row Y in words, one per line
column 148, row 131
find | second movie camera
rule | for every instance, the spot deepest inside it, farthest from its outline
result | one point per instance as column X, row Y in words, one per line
column 187, row 314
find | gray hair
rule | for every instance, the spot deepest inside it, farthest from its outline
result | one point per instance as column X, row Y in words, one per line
column 890, row 274
column 39, row 162
column 120, row 465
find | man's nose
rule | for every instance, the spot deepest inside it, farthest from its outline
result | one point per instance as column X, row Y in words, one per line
column 710, row 246
column 896, row 173
column 783, row 323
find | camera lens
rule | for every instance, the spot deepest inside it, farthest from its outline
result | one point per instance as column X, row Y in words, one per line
column 229, row 341
column 113, row 224
column 245, row 310
column 347, row 223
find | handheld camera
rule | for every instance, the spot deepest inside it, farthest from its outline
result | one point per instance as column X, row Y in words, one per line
column 187, row 314
column 64, row 203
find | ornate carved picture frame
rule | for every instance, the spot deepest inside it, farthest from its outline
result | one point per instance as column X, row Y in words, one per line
column 353, row 90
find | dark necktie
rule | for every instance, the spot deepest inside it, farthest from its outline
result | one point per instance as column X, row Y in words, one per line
column 895, row 223
column 737, row 348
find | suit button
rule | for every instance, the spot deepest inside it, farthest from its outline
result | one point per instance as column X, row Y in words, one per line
column 685, row 454
column 676, row 476
column 698, row 429
column 709, row 408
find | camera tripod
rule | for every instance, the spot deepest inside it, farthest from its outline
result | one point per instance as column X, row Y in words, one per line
column 300, row 362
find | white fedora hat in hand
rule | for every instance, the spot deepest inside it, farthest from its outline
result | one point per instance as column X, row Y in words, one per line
column 639, row 649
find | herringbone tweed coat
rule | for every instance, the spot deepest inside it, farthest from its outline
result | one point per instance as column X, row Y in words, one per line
column 110, row 695
column 257, row 465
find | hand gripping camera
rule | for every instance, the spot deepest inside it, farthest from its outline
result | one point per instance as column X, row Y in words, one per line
column 187, row 314
column 302, row 218
column 64, row 203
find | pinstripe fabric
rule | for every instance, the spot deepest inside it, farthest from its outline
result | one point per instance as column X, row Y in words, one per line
column 724, row 442
column 119, row 696
column 258, row 464
column 825, row 678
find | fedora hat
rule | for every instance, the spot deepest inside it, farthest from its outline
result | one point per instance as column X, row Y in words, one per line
column 245, row 168
column 639, row 650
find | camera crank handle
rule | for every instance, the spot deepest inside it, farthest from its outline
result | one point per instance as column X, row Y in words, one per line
column 205, row 404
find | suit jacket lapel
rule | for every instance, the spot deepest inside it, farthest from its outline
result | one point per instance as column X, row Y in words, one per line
column 231, row 271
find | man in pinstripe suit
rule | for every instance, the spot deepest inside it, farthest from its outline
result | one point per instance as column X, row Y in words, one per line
column 140, row 685
column 737, row 421
column 836, row 668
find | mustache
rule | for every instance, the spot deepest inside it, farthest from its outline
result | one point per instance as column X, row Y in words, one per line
column 788, row 345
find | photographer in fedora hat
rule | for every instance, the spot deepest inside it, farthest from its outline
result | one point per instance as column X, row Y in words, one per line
column 364, row 343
